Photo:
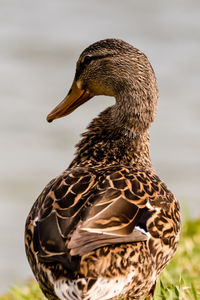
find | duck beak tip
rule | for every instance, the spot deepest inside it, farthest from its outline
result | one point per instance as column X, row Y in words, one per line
column 49, row 119
column 74, row 99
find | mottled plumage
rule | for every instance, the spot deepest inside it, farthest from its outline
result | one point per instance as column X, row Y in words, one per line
column 107, row 226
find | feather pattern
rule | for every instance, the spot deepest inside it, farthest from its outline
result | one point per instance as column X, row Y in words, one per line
column 107, row 226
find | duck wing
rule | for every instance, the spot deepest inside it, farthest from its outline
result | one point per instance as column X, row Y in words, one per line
column 119, row 213
column 56, row 213
column 84, row 210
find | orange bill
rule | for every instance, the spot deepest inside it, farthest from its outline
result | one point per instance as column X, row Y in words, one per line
column 75, row 98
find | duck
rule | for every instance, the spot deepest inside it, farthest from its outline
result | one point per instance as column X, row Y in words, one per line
column 108, row 225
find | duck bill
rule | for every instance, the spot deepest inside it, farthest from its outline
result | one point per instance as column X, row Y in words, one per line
column 74, row 99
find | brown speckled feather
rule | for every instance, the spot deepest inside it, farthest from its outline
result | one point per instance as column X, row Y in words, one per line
column 108, row 225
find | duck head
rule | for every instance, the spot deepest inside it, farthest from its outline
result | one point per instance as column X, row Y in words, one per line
column 114, row 68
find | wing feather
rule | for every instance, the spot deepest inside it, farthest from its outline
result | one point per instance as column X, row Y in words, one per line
column 85, row 209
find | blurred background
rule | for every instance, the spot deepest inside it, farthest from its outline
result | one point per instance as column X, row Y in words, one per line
column 40, row 42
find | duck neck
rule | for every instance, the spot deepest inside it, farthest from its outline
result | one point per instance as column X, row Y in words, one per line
column 114, row 137
column 134, row 112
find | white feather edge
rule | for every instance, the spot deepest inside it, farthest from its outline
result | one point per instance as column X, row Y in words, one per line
column 103, row 288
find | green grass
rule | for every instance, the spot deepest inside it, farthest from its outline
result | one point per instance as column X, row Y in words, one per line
column 180, row 280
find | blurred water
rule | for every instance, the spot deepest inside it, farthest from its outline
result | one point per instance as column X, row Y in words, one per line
column 39, row 44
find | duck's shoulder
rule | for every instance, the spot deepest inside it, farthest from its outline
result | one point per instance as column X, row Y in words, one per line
column 80, row 181
column 88, row 207
column 84, row 186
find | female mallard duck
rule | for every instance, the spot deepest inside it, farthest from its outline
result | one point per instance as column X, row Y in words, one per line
column 108, row 225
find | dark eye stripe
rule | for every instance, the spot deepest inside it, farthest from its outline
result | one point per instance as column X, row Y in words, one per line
column 87, row 60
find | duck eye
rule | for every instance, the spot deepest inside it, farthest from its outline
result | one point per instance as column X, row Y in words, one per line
column 87, row 59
